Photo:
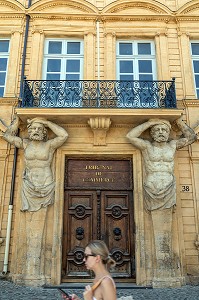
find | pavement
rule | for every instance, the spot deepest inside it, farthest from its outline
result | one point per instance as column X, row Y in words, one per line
column 11, row 291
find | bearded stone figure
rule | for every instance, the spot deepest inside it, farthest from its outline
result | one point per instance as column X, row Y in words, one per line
column 159, row 188
column 37, row 193
column 38, row 183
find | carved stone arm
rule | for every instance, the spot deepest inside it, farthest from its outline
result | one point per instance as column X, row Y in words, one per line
column 61, row 133
column 133, row 134
column 189, row 134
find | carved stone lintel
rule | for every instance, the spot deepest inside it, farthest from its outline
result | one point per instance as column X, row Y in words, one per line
column 99, row 126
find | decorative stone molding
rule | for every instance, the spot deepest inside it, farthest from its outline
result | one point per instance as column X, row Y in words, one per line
column 137, row 4
column 14, row 31
column 37, row 31
column 92, row 32
column 99, row 126
column 9, row 101
column 112, row 33
column 60, row 3
column 159, row 33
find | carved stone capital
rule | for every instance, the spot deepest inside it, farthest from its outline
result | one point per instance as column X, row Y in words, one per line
column 111, row 33
column 99, row 126
column 91, row 32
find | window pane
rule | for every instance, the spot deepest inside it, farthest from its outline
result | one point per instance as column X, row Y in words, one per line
column 195, row 48
column 125, row 49
column 144, row 48
column 145, row 77
column 1, row 91
column 72, row 76
column 3, row 64
column 197, row 94
column 126, row 77
column 197, row 81
column 72, row 65
column 2, row 78
column 73, row 48
column 55, row 47
column 4, row 46
column 126, row 66
column 145, row 66
column 196, row 66
column 53, row 77
column 54, row 65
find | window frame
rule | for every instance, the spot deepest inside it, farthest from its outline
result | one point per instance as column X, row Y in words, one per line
column 135, row 57
column 194, row 58
column 5, row 55
column 63, row 56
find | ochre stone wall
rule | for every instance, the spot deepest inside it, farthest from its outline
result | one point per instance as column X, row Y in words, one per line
column 172, row 25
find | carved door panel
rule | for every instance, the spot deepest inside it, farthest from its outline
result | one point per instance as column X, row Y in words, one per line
column 106, row 215
column 117, row 227
column 79, row 225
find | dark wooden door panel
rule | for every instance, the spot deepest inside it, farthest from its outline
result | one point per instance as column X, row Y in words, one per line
column 79, row 222
column 98, row 205
column 117, row 225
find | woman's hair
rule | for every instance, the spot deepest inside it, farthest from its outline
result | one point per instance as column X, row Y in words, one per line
column 99, row 247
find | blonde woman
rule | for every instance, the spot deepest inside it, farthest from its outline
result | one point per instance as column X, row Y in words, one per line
column 97, row 259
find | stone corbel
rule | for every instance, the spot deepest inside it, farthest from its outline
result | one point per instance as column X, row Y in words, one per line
column 99, row 126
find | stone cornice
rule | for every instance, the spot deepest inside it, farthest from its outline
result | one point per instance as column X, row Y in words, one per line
column 191, row 103
column 63, row 16
column 15, row 15
column 123, row 17
column 99, row 16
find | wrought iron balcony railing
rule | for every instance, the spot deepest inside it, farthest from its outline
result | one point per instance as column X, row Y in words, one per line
column 99, row 94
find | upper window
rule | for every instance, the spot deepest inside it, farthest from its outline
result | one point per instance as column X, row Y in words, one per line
column 136, row 60
column 63, row 59
column 4, row 53
column 195, row 60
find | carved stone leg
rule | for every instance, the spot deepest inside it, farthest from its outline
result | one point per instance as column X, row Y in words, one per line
column 35, row 232
column 164, row 273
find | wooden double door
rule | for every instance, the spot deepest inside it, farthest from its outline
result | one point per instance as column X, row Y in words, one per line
column 91, row 214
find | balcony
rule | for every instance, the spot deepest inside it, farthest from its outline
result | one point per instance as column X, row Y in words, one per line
column 100, row 94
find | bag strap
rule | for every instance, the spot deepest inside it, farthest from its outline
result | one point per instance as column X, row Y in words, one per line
column 94, row 286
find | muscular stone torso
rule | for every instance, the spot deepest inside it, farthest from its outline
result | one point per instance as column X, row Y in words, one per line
column 159, row 165
column 38, row 158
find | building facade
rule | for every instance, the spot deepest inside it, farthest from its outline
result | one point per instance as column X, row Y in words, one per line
column 98, row 69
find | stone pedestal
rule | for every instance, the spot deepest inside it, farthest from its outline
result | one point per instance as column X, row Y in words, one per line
column 164, row 271
column 35, row 262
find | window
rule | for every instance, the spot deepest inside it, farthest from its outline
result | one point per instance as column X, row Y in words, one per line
column 4, row 53
column 136, row 60
column 63, row 67
column 63, row 60
column 195, row 61
column 136, row 70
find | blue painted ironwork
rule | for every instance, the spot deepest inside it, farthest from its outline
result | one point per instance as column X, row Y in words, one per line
column 99, row 94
